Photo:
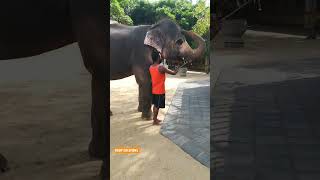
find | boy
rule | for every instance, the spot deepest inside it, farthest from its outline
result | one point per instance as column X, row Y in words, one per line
column 158, row 77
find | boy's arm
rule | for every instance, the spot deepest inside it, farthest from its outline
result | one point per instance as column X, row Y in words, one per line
column 163, row 69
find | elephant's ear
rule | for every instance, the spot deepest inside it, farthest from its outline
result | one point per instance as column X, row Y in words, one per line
column 154, row 39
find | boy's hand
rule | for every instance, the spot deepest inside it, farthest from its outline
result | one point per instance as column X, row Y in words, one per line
column 163, row 69
column 176, row 71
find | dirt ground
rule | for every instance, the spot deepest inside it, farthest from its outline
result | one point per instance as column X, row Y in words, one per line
column 45, row 128
column 45, row 117
column 159, row 158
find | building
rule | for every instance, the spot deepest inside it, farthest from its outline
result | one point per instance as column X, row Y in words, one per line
column 283, row 12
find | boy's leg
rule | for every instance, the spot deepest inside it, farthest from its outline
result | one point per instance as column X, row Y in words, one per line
column 155, row 114
column 156, row 121
column 157, row 102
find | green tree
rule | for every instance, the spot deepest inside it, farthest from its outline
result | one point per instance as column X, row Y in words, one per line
column 117, row 13
column 180, row 11
column 143, row 13
column 184, row 14
column 128, row 6
column 202, row 13
column 165, row 12
column 190, row 17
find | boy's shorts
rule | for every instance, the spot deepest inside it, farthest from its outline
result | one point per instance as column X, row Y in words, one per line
column 159, row 100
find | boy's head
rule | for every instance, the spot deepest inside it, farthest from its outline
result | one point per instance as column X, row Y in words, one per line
column 156, row 57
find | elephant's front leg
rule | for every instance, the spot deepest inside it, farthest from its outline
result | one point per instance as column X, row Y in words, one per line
column 90, row 31
column 97, row 148
column 3, row 164
column 144, row 81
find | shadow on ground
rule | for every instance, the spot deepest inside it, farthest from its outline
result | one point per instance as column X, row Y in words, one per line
column 304, row 65
column 267, row 131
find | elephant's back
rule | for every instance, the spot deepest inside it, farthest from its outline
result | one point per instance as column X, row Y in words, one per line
column 124, row 40
column 119, row 51
column 119, row 39
column 120, row 31
column 33, row 15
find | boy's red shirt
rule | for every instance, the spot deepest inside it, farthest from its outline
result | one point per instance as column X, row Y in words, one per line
column 157, row 79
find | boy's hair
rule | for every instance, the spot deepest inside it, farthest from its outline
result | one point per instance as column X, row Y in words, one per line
column 155, row 55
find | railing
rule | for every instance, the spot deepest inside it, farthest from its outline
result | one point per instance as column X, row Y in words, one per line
column 241, row 5
column 217, row 21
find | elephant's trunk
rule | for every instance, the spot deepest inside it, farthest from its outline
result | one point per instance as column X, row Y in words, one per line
column 196, row 53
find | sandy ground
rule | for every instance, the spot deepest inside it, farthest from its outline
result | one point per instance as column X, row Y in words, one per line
column 45, row 117
column 160, row 159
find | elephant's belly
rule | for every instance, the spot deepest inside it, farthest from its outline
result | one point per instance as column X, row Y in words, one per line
column 26, row 50
column 117, row 76
column 119, row 63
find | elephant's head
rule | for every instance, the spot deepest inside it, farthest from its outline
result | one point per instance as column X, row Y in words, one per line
column 169, row 39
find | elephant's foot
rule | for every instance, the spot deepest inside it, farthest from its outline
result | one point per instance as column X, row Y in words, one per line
column 96, row 150
column 3, row 164
column 147, row 115
column 103, row 171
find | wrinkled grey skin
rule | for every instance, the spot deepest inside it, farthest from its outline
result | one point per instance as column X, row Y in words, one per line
column 130, row 56
column 29, row 28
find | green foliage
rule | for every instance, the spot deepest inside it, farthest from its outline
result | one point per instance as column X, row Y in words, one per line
column 190, row 17
column 202, row 13
column 180, row 11
column 117, row 13
column 143, row 13
column 165, row 12
column 128, row 5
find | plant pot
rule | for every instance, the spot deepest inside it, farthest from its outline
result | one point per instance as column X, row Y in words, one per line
column 183, row 72
column 233, row 31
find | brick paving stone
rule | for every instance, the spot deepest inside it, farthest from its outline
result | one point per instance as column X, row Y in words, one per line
column 187, row 122
column 205, row 158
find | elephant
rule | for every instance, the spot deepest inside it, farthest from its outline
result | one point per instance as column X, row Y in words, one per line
column 131, row 48
column 30, row 28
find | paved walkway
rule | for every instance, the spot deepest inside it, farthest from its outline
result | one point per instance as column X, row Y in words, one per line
column 187, row 121
column 265, row 111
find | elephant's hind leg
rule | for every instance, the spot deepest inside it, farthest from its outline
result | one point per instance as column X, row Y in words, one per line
column 90, row 30
column 3, row 164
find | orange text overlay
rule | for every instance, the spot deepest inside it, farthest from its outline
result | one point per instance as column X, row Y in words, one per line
column 126, row 150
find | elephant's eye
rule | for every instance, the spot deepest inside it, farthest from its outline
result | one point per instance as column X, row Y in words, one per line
column 179, row 41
